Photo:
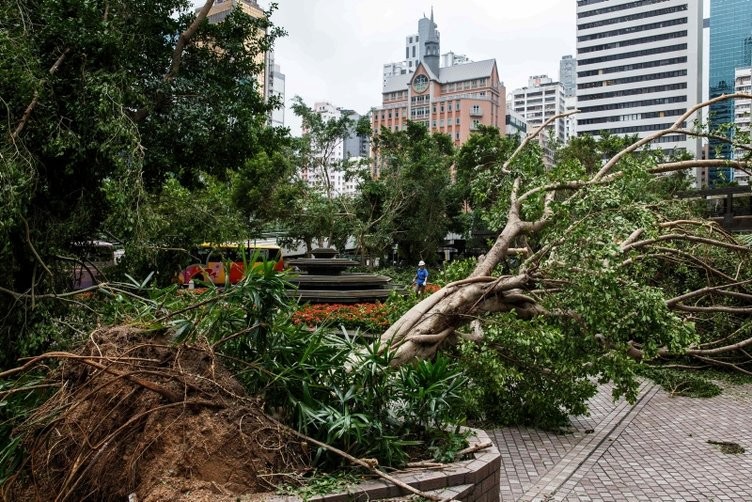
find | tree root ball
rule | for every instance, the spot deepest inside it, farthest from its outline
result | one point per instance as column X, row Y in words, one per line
column 135, row 414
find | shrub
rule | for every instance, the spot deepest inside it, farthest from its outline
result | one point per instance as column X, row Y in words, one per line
column 370, row 317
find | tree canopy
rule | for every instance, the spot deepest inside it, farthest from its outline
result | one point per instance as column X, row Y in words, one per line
column 112, row 108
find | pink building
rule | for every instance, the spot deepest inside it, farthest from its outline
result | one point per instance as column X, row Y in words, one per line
column 453, row 100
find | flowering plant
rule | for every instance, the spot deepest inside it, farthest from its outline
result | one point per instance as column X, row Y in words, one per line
column 367, row 316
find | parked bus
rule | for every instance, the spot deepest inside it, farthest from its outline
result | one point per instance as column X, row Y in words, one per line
column 215, row 260
column 95, row 258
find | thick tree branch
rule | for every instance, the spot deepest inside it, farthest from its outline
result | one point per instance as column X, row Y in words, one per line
column 185, row 37
column 703, row 291
column 177, row 55
column 35, row 100
column 668, row 167
column 720, row 350
column 678, row 124
column 632, row 238
column 690, row 238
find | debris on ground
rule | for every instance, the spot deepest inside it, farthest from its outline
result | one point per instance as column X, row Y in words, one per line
column 728, row 447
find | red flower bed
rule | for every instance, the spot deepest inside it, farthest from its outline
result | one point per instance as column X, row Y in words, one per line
column 432, row 288
column 369, row 316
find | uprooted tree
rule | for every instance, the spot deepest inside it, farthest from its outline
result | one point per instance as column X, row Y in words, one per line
column 607, row 259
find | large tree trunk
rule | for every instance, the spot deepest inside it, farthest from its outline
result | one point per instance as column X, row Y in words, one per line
column 420, row 332
column 423, row 329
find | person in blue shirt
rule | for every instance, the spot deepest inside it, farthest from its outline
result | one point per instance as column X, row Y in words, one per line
column 421, row 278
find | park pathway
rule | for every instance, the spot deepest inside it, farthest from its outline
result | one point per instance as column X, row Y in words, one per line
column 655, row 450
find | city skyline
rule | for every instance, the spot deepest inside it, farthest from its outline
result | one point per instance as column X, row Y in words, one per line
column 342, row 59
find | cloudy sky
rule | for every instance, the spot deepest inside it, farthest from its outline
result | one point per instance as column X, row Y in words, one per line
column 335, row 49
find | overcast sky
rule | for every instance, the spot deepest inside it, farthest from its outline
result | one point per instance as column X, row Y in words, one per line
column 335, row 49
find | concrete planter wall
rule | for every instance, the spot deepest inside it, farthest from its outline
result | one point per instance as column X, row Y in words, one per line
column 473, row 480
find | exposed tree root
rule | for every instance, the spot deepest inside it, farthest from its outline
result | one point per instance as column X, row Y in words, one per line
column 134, row 415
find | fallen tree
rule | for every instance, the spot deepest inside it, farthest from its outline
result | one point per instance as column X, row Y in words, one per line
column 609, row 256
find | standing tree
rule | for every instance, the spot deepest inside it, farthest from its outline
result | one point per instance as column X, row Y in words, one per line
column 412, row 197
column 104, row 102
column 317, row 217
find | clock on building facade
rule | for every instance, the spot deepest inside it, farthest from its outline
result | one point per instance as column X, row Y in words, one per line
column 420, row 83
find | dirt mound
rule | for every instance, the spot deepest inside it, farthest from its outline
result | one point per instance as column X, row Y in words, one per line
column 136, row 414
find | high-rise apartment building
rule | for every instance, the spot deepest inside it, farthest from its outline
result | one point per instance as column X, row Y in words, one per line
column 540, row 100
column 639, row 67
column 277, row 89
column 219, row 12
column 743, row 116
column 730, row 48
column 329, row 163
column 568, row 75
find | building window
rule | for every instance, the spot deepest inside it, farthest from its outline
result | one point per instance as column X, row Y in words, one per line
column 457, row 136
column 457, row 121
column 457, row 106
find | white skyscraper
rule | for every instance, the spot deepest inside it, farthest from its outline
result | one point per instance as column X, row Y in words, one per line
column 639, row 67
column 332, row 158
column 540, row 100
column 742, row 115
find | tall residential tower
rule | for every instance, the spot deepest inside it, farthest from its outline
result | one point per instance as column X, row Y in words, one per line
column 568, row 75
column 639, row 67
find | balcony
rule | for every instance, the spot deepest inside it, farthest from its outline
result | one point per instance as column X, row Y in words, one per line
column 476, row 112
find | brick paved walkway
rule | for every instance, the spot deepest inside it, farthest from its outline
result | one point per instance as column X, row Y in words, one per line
column 654, row 450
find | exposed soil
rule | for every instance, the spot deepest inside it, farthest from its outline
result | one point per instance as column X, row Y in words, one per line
column 137, row 414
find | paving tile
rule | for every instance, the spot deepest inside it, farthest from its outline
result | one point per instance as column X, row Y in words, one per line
column 656, row 450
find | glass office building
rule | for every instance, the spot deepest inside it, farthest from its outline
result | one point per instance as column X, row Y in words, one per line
column 730, row 48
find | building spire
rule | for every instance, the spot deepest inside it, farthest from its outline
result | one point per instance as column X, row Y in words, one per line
column 432, row 13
